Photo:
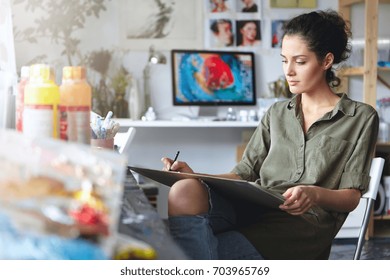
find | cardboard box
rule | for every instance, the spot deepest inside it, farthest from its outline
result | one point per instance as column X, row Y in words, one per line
column 240, row 151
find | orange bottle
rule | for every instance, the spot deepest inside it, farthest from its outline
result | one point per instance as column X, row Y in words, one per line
column 24, row 75
column 75, row 105
column 41, row 98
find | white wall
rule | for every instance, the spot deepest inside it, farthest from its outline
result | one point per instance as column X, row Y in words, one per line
column 268, row 62
column 104, row 33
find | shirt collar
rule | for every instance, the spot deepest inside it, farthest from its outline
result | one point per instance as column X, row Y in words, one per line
column 345, row 105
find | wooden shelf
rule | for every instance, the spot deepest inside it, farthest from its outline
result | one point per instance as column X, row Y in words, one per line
column 352, row 71
column 383, row 144
column 383, row 147
column 369, row 72
column 382, row 217
column 359, row 71
column 347, row 3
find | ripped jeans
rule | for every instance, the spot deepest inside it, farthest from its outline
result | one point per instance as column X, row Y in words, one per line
column 212, row 236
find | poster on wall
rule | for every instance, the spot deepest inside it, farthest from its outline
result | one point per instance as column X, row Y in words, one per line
column 166, row 24
column 7, row 66
column 233, row 23
column 7, row 50
column 277, row 32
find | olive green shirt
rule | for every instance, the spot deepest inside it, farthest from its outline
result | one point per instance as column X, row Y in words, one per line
column 335, row 153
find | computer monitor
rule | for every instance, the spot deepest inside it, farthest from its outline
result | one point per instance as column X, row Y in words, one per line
column 213, row 78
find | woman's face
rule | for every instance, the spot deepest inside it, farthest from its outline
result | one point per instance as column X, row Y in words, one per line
column 249, row 31
column 303, row 71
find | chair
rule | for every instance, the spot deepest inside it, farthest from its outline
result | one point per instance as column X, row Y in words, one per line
column 375, row 174
column 122, row 140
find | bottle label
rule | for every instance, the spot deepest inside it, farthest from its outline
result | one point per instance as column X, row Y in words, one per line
column 38, row 121
column 75, row 123
column 19, row 107
column 19, row 112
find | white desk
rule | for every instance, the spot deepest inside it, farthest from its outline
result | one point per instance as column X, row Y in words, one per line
column 208, row 146
column 194, row 123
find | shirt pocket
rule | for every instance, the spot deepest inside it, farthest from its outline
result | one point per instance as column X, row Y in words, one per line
column 326, row 159
column 333, row 145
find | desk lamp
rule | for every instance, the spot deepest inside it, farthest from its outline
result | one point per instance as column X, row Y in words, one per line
column 154, row 57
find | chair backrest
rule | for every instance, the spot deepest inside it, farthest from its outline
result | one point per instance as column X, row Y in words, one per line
column 375, row 174
column 123, row 139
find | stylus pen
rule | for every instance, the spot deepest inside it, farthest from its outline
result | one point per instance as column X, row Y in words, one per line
column 176, row 156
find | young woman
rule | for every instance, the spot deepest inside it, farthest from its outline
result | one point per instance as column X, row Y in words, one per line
column 314, row 149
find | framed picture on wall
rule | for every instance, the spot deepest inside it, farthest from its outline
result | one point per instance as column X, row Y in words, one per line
column 8, row 75
column 7, row 49
column 220, row 6
column 248, row 6
column 166, row 24
column 248, row 33
column 277, row 32
column 221, row 33
column 231, row 24
column 293, row 4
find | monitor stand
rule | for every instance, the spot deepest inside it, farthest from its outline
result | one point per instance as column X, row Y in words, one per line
column 208, row 113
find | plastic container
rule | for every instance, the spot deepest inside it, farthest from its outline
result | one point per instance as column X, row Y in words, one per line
column 24, row 75
column 384, row 127
column 384, row 132
column 58, row 200
column 41, row 99
column 231, row 114
column 75, row 105
column 106, row 143
column 150, row 115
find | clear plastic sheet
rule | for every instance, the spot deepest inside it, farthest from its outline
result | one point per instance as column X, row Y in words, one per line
column 58, row 200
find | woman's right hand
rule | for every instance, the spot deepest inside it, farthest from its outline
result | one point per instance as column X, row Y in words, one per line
column 178, row 166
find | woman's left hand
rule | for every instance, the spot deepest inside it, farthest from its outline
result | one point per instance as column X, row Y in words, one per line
column 299, row 199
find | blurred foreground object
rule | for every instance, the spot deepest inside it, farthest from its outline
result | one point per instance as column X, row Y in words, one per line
column 58, row 200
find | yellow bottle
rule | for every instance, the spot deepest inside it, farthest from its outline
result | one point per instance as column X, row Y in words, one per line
column 75, row 105
column 41, row 98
